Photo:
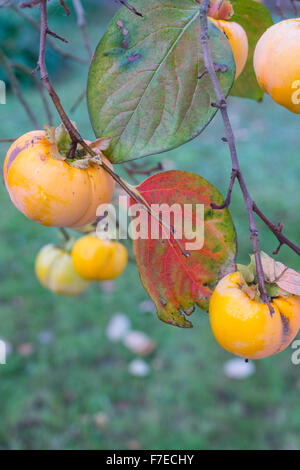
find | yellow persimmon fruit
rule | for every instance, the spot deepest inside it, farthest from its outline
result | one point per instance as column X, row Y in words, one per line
column 51, row 191
column 238, row 41
column 95, row 259
column 245, row 327
column 54, row 269
column 117, row 263
column 277, row 64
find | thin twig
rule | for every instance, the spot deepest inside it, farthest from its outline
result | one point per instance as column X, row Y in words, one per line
column 75, row 136
column 132, row 170
column 31, row 4
column 279, row 8
column 64, row 233
column 143, row 171
column 56, row 36
column 6, row 63
column 234, row 175
column 65, row 7
column 4, row 141
column 222, row 105
column 78, row 101
column 294, row 7
column 51, row 43
column 277, row 230
column 130, row 7
column 23, row 68
column 80, row 13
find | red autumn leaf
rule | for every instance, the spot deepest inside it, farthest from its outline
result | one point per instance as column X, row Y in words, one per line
column 176, row 282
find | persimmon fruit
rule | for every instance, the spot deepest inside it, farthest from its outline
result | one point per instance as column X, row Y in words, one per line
column 51, row 191
column 238, row 41
column 54, row 269
column 95, row 259
column 245, row 327
column 277, row 64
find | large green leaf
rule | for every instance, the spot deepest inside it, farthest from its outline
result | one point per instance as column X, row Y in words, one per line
column 255, row 19
column 143, row 87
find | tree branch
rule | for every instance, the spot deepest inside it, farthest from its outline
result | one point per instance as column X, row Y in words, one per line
column 236, row 173
column 40, row 88
column 277, row 230
column 80, row 13
column 31, row 4
column 7, row 66
column 52, row 44
column 130, row 7
column 4, row 141
column 222, row 105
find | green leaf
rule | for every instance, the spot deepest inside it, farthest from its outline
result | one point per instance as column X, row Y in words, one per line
column 255, row 19
column 176, row 283
column 143, row 86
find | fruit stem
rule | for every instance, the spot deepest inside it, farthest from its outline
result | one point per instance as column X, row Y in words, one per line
column 65, row 234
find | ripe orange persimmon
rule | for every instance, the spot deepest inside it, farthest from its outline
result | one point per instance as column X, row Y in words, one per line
column 51, row 191
column 98, row 260
column 277, row 64
column 238, row 41
column 54, row 269
column 245, row 327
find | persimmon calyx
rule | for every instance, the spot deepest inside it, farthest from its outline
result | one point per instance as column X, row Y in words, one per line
column 280, row 280
column 287, row 279
column 60, row 141
column 220, row 9
column 61, row 144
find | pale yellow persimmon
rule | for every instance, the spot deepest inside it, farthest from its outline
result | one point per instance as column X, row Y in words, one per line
column 54, row 269
column 50, row 191
column 277, row 63
column 245, row 327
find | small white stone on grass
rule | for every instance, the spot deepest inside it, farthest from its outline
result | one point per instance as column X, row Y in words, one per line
column 139, row 368
column 147, row 306
column 107, row 286
column 138, row 342
column 238, row 369
column 8, row 346
column 45, row 337
column 101, row 419
column 118, row 327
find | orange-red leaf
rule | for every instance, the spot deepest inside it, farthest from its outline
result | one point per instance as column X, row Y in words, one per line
column 175, row 282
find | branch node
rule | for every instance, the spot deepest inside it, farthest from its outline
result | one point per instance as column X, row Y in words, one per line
column 56, row 36
column 131, row 8
column 35, row 70
column 202, row 74
column 275, row 252
column 221, row 68
column 234, row 174
column 221, row 105
column 253, row 233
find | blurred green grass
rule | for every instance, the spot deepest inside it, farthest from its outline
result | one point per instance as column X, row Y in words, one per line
column 51, row 397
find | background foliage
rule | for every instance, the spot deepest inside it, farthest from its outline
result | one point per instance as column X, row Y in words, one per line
column 65, row 384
